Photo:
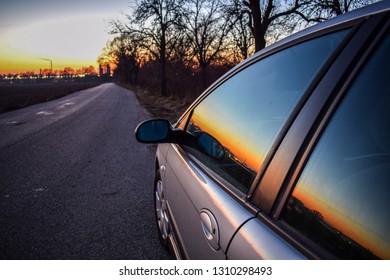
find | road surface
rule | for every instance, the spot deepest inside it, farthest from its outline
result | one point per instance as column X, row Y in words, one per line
column 74, row 183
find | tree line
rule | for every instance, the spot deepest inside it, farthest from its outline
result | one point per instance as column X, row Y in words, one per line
column 46, row 72
column 179, row 47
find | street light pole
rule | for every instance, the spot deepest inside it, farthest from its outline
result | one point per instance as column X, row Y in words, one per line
column 51, row 64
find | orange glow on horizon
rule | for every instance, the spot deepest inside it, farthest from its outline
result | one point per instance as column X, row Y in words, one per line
column 245, row 154
column 15, row 65
column 364, row 236
column 74, row 42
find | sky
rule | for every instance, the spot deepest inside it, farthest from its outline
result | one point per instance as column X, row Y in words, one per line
column 70, row 33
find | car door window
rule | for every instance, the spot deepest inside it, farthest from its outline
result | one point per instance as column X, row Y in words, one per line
column 233, row 128
column 341, row 200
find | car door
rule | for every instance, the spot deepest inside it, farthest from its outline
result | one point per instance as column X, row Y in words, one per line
column 231, row 133
column 325, row 193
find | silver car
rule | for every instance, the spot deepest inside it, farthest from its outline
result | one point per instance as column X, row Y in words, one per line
column 287, row 156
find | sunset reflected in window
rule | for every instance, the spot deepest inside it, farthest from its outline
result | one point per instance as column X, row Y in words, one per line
column 246, row 113
column 341, row 200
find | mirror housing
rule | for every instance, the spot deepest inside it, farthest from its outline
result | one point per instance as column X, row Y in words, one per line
column 157, row 131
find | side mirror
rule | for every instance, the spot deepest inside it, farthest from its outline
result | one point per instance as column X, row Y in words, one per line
column 156, row 131
column 152, row 131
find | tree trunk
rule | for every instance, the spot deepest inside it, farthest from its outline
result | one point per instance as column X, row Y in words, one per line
column 258, row 25
column 163, row 89
column 163, row 59
column 203, row 69
column 256, row 14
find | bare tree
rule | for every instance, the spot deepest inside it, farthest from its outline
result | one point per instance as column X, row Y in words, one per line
column 272, row 19
column 241, row 37
column 128, row 55
column 106, row 56
column 153, row 23
column 319, row 10
column 266, row 14
column 207, row 28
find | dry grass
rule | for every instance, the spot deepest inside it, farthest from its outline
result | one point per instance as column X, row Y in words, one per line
column 168, row 107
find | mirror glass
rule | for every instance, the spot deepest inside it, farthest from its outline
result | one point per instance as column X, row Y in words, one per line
column 153, row 131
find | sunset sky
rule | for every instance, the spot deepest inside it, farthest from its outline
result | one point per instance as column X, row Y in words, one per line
column 71, row 33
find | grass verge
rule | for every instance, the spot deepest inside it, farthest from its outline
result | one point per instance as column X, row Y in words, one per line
column 165, row 107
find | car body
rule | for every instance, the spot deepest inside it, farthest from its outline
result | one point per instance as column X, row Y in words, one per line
column 287, row 156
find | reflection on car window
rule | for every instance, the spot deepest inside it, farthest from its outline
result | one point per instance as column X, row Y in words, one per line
column 246, row 112
column 341, row 200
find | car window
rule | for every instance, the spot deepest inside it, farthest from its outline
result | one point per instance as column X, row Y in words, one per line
column 233, row 128
column 341, row 200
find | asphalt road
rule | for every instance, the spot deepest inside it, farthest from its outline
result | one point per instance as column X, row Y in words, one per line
column 74, row 183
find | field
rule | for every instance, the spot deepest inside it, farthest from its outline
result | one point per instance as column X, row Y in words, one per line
column 16, row 96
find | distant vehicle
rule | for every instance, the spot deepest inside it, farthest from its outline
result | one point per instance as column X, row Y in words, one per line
column 287, row 156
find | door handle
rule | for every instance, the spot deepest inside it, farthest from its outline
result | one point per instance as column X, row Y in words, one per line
column 210, row 228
